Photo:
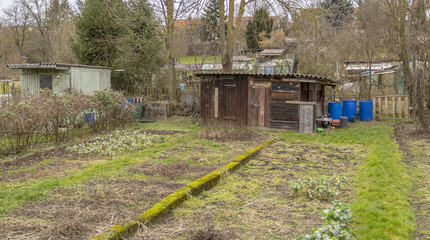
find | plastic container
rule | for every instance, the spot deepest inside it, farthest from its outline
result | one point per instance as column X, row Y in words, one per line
column 343, row 122
column 366, row 110
column 349, row 109
column 89, row 118
column 139, row 110
column 335, row 110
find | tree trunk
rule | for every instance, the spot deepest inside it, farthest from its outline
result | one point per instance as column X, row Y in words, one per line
column 227, row 41
column 170, row 50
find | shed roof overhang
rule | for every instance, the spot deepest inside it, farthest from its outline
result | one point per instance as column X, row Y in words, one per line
column 282, row 77
column 51, row 66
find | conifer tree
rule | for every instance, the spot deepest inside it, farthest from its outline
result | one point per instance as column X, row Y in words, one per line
column 210, row 22
column 338, row 12
column 98, row 31
column 261, row 23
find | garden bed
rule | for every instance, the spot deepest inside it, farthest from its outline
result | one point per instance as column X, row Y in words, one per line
column 257, row 203
column 64, row 195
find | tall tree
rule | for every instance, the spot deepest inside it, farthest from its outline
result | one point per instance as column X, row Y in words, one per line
column 16, row 20
column 60, row 27
column 228, row 33
column 40, row 49
column 141, row 47
column 258, row 28
column 98, row 32
column 252, row 36
column 338, row 12
column 406, row 39
column 210, row 22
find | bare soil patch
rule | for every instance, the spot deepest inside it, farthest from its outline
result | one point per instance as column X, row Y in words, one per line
column 172, row 171
column 79, row 213
column 416, row 148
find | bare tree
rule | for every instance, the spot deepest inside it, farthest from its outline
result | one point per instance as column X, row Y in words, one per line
column 405, row 39
column 169, row 11
column 16, row 20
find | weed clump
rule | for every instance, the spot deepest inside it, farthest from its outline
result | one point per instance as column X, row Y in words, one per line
column 116, row 143
column 321, row 188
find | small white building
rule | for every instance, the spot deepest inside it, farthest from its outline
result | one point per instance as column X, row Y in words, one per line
column 60, row 76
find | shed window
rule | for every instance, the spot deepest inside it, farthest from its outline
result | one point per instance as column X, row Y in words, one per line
column 45, row 81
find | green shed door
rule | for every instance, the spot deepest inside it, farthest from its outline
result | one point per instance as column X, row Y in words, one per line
column 45, row 81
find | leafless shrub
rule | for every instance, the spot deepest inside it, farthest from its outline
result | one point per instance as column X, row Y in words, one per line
column 49, row 116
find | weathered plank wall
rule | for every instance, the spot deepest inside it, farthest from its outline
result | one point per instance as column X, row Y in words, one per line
column 282, row 114
column 230, row 107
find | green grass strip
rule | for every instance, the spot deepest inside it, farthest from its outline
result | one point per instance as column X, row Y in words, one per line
column 13, row 196
column 176, row 198
column 381, row 209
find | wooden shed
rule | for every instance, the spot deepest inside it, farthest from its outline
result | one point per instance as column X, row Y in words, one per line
column 282, row 101
column 60, row 76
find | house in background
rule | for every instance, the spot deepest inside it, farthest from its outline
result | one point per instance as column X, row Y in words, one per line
column 59, row 76
column 273, row 61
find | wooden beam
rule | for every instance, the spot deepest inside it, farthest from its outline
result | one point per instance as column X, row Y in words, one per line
column 394, row 107
column 300, row 103
column 374, row 108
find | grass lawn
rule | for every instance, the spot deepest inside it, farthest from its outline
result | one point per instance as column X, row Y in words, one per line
column 63, row 195
column 416, row 146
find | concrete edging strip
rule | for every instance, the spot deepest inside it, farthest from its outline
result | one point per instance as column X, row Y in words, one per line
column 175, row 199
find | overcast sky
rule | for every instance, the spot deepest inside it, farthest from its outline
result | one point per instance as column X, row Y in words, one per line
column 6, row 3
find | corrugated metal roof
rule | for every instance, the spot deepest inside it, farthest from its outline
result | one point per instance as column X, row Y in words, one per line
column 289, row 75
column 271, row 52
column 49, row 66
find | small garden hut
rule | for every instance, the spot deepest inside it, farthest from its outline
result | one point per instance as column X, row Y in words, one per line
column 283, row 101
column 59, row 76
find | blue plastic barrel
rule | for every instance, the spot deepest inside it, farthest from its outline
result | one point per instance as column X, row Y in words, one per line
column 335, row 110
column 366, row 110
column 349, row 109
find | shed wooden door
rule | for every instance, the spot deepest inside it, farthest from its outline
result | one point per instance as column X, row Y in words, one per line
column 259, row 107
column 230, row 101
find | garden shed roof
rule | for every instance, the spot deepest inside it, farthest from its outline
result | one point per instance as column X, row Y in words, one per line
column 50, row 66
column 324, row 80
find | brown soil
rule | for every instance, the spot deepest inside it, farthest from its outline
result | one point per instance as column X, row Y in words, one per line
column 229, row 135
column 80, row 213
column 415, row 145
column 172, row 171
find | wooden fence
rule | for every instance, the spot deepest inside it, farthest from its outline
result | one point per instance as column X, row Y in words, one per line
column 391, row 107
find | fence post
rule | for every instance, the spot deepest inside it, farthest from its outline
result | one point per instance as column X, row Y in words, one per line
column 380, row 106
column 406, row 107
column 374, row 108
column 394, row 107
column 386, row 106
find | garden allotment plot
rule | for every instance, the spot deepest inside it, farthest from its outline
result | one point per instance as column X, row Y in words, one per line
column 62, row 194
column 257, row 202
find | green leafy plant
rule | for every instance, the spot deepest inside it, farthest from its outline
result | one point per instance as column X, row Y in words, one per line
column 336, row 219
column 320, row 188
